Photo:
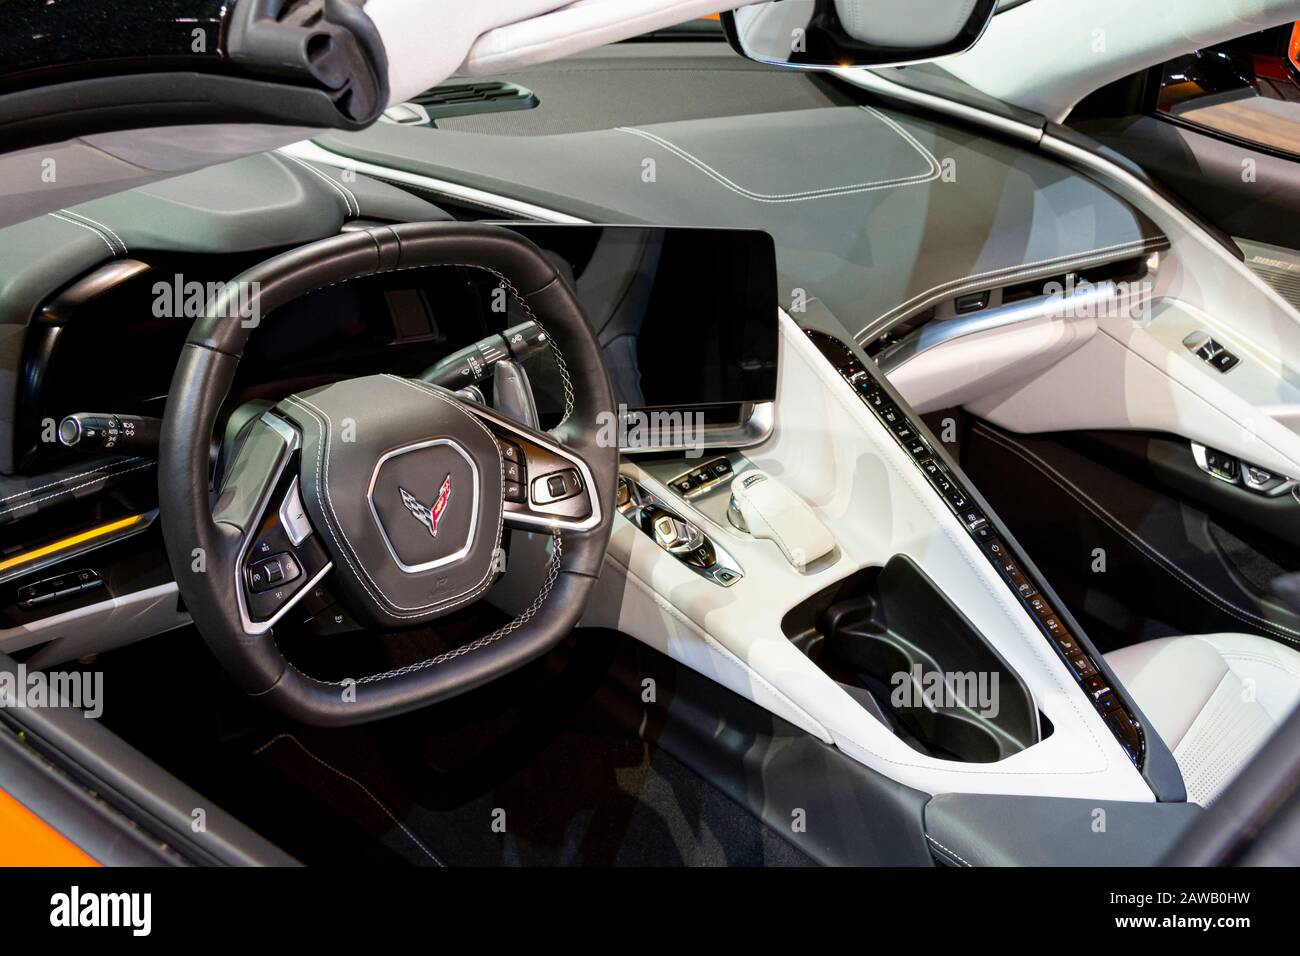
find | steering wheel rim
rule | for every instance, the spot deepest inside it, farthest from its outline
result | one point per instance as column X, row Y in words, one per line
column 207, row 539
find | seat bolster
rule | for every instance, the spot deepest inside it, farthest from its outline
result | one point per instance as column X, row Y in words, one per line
column 1172, row 679
column 1270, row 671
column 1214, row 699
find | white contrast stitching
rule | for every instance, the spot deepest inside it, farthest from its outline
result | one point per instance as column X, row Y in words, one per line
column 108, row 229
column 1002, row 596
column 359, row 569
column 364, row 789
column 338, row 188
column 951, row 853
column 108, row 242
column 63, row 481
column 933, row 168
column 68, row 491
column 538, row 602
column 1163, row 562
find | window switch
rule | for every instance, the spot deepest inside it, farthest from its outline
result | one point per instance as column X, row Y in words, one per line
column 1224, row 361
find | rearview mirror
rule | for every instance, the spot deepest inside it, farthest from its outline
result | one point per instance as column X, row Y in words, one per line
column 823, row 34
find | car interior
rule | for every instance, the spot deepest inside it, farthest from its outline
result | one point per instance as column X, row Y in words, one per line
column 614, row 454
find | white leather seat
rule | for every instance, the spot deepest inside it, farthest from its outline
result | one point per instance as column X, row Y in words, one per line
column 1213, row 698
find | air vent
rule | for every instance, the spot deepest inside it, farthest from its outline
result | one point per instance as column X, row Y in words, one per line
column 469, row 99
column 886, row 347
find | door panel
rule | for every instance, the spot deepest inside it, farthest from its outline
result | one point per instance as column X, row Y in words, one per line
column 1135, row 538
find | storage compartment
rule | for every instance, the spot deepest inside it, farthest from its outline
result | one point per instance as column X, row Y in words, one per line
column 908, row 655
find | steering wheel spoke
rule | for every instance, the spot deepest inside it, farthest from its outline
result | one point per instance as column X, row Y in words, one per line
column 278, row 557
column 546, row 486
column 391, row 486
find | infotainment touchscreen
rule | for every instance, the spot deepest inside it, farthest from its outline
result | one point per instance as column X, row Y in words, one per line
column 686, row 317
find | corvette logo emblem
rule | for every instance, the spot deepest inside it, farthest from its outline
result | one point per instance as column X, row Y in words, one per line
column 429, row 517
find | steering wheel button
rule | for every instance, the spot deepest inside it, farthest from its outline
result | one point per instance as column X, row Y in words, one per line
column 512, row 471
column 556, row 487
column 293, row 516
column 514, row 491
column 269, row 572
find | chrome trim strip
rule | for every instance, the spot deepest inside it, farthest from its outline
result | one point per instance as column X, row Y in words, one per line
column 725, row 570
column 939, row 332
column 1243, row 479
column 474, row 506
column 307, row 150
column 519, row 519
column 57, row 626
column 754, row 430
column 298, row 529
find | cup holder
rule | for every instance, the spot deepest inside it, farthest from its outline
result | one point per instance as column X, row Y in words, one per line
column 908, row 655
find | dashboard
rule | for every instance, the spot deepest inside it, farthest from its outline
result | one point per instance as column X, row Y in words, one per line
column 847, row 257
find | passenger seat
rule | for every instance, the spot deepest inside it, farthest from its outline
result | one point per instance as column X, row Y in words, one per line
column 1214, row 699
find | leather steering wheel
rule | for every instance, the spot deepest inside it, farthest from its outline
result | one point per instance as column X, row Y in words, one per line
column 393, row 492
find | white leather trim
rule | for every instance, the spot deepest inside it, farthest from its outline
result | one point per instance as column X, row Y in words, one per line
column 772, row 511
column 978, row 280
column 1125, row 378
column 683, row 640
column 1214, row 699
column 830, row 450
column 1225, row 735
column 580, row 26
column 426, row 40
column 967, row 368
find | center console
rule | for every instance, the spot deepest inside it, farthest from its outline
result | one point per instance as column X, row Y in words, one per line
column 993, row 542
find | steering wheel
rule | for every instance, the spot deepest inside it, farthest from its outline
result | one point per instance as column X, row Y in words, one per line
column 395, row 489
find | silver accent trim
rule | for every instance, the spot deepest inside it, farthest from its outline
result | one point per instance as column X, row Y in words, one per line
column 555, row 522
column 456, row 555
column 940, row 331
column 711, row 484
column 76, row 422
column 312, row 152
column 754, row 430
column 1198, row 455
column 725, row 570
column 1243, row 479
column 293, row 516
column 291, row 443
column 55, row 627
